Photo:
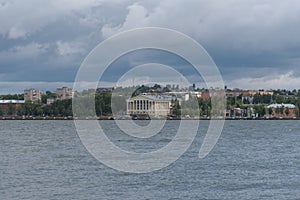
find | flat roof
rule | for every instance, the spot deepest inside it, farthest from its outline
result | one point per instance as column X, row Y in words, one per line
column 155, row 97
column 11, row 101
column 158, row 97
column 275, row 105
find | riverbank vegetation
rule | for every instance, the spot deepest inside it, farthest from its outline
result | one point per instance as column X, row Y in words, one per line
column 236, row 106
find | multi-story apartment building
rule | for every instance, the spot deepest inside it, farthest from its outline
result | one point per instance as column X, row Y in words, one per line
column 32, row 95
column 64, row 93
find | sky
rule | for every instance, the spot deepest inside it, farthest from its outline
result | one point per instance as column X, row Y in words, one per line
column 255, row 44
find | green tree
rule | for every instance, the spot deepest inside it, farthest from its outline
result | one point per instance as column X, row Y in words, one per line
column 270, row 111
column 278, row 99
column 118, row 104
column 297, row 111
column 256, row 98
column 246, row 101
column 39, row 111
column 277, row 109
column 175, row 109
column 266, row 98
column 204, row 106
column 48, row 95
column 12, row 96
column 230, row 101
column 10, row 109
column 20, row 111
column 143, row 89
column 103, row 103
column 190, row 107
column 260, row 109
column 281, row 109
column 62, row 108
column 287, row 111
column 47, row 110
column 29, row 108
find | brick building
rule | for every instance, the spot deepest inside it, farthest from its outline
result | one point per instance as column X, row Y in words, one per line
column 10, row 107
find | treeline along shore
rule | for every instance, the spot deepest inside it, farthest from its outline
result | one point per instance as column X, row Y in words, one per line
column 240, row 104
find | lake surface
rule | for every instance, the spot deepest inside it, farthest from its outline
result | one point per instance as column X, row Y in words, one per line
column 252, row 160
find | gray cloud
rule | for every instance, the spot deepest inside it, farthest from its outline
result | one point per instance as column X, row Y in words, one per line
column 47, row 40
column 236, row 33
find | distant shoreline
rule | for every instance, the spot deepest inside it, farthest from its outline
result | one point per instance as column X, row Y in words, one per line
column 111, row 118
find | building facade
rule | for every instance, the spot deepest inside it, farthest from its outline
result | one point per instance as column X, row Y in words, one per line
column 105, row 89
column 50, row 101
column 32, row 95
column 64, row 93
column 10, row 107
column 282, row 110
column 246, row 93
column 156, row 105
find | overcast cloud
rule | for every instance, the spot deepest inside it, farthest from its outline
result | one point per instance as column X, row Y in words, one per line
column 255, row 44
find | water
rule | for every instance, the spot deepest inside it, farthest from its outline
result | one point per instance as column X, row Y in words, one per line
column 252, row 160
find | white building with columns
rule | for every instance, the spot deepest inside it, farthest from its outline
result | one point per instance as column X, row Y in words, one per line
column 156, row 105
